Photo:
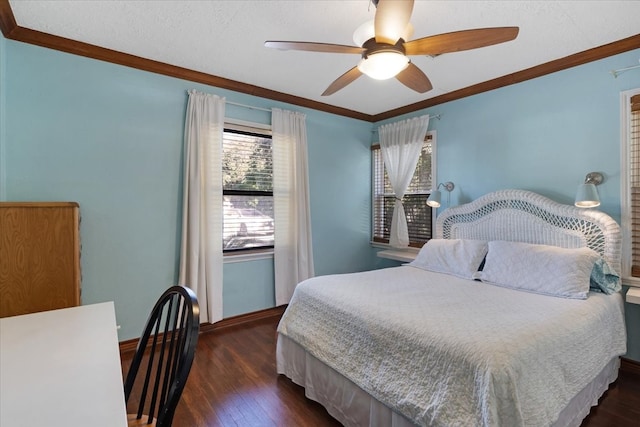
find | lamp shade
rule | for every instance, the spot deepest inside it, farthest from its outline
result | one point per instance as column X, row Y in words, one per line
column 434, row 199
column 587, row 196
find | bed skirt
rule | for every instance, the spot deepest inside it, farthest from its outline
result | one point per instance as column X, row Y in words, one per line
column 352, row 406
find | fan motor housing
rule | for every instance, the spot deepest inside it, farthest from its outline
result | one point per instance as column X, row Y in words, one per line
column 372, row 46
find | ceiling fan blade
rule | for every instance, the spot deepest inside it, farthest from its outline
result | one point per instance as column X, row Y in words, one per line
column 392, row 18
column 313, row 47
column 413, row 78
column 342, row 81
column 460, row 40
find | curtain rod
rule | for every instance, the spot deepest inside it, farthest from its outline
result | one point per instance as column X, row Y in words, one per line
column 619, row 71
column 236, row 103
column 249, row 106
column 434, row 116
column 437, row 116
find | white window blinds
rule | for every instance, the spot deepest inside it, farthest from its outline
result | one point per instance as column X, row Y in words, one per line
column 247, row 174
column 634, row 181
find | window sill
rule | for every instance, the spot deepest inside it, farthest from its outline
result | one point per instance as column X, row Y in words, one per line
column 631, row 281
column 230, row 258
column 633, row 296
column 398, row 255
column 391, row 248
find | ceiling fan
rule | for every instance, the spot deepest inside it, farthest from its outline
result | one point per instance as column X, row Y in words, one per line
column 385, row 48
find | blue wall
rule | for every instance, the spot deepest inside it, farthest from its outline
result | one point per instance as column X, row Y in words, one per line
column 3, row 109
column 542, row 135
column 110, row 138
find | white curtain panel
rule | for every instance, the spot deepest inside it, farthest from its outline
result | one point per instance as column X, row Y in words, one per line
column 400, row 144
column 293, row 253
column 201, row 250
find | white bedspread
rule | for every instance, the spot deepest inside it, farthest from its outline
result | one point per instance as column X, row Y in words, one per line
column 445, row 351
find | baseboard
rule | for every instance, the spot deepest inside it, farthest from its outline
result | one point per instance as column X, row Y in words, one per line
column 629, row 366
column 243, row 318
column 269, row 313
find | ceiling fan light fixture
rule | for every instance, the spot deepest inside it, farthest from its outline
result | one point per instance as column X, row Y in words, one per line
column 383, row 65
column 386, row 43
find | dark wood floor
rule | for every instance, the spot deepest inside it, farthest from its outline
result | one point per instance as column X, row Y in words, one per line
column 233, row 382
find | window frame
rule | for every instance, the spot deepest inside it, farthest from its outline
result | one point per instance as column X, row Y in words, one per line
column 625, row 186
column 430, row 136
column 251, row 253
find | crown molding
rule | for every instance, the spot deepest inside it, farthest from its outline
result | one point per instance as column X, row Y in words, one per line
column 7, row 20
column 580, row 58
column 13, row 31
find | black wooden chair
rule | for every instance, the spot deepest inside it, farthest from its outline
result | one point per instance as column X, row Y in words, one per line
column 167, row 346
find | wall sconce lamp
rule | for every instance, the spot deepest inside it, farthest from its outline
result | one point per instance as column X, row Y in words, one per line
column 435, row 196
column 587, row 195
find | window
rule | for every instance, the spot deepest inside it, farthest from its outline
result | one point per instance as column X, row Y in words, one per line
column 419, row 215
column 631, row 185
column 247, row 174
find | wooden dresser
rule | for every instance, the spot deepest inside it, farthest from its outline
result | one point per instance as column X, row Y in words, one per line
column 39, row 256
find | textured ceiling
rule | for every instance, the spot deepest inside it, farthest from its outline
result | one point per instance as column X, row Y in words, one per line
column 225, row 39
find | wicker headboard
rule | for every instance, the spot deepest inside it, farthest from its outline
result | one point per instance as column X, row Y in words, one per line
column 525, row 216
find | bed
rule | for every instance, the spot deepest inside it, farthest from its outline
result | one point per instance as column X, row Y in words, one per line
column 491, row 325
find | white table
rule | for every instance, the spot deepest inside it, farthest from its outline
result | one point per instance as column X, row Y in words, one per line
column 61, row 368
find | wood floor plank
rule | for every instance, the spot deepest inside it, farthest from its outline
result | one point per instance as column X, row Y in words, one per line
column 233, row 382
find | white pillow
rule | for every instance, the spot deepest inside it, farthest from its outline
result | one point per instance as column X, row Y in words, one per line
column 457, row 257
column 547, row 270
